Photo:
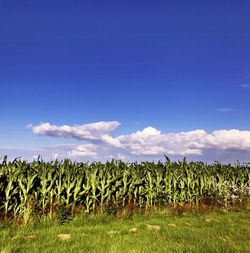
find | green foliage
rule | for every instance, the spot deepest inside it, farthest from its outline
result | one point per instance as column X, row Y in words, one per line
column 64, row 215
column 110, row 187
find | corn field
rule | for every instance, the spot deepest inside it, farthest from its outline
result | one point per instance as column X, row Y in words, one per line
column 43, row 187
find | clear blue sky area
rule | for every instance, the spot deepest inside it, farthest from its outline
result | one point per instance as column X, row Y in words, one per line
column 173, row 65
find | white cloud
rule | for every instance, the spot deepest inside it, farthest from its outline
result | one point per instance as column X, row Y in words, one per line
column 55, row 156
column 142, row 142
column 98, row 131
column 151, row 141
column 84, row 150
column 146, row 144
column 230, row 139
column 35, row 157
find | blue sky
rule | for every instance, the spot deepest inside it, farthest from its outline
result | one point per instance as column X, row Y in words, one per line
column 173, row 66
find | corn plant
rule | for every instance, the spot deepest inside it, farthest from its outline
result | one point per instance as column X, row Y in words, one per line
column 51, row 186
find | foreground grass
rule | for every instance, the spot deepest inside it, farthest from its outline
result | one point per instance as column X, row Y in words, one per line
column 210, row 232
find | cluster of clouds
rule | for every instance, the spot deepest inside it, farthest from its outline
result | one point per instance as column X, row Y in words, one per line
column 99, row 143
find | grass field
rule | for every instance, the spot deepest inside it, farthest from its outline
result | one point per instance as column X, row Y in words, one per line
column 149, row 232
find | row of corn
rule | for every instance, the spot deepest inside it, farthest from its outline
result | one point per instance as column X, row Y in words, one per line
column 42, row 187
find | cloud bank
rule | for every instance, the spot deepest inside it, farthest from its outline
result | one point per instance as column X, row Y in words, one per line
column 99, row 143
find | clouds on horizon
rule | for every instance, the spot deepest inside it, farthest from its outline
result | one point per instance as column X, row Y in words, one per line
column 99, row 143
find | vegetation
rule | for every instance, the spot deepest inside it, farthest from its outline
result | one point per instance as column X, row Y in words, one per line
column 61, row 189
column 149, row 232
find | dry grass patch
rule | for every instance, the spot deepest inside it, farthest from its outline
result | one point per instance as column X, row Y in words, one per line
column 172, row 225
column 133, row 230
column 208, row 220
column 113, row 232
column 153, row 227
column 6, row 251
column 30, row 237
column 63, row 237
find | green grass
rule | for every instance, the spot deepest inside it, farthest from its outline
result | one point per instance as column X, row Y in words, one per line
column 210, row 232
